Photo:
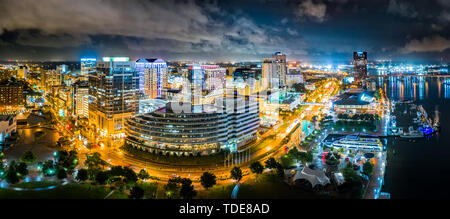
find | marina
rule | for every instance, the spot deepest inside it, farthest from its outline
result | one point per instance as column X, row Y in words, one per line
column 421, row 125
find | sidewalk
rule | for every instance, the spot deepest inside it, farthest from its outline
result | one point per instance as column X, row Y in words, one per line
column 373, row 189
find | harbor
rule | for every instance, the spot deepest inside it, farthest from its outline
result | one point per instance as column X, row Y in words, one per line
column 411, row 121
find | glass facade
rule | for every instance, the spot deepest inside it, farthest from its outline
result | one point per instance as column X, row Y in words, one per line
column 165, row 131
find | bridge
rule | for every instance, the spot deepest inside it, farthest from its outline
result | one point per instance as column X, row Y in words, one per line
column 313, row 104
column 407, row 75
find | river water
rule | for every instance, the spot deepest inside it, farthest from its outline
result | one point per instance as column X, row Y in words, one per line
column 419, row 169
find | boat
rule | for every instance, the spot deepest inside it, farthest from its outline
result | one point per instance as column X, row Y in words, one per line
column 412, row 133
column 357, row 142
column 436, row 123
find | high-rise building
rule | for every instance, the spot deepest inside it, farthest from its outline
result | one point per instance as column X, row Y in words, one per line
column 11, row 93
column 360, row 66
column 64, row 69
column 294, row 76
column 80, row 97
column 153, row 77
column 113, row 89
column 22, row 72
column 244, row 73
column 204, row 79
column 8, row 125
column 274, row 71
column 229, row 123
column 88, row 65
column 50, row 78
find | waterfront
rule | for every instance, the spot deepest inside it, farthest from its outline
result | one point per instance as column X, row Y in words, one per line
column 417, row 169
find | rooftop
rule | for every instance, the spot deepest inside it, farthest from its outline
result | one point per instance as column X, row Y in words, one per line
column 355, row 97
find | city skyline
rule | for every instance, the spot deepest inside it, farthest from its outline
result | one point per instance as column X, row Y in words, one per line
column 225, row 31
column 230, row 100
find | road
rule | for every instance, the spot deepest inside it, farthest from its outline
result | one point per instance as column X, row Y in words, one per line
column 261, row 150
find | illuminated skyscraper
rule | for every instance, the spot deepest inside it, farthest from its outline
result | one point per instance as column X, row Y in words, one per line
column 88, row 65
column 204, row 79
column 22, row 72
column 153, row 75
column 360, row 66
column 274, row 71
column 113, row 89
column 50, row 78
column 80, row 97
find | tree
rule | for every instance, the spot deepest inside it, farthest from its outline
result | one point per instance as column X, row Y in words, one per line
column 236, row 173
column 353, row 181
column 187, row 189
column 143, row 175
column 280, row 170
column 102, row 177
column 82, row 175
column 94, row 164
column 49, row 168
column 171, row 188
column 116, row 171
column 367, row 168
column 28, row 157
column 67, row 160
column 22, row 169
column 11, row 176
column 299, row 88
column 130, row 175
column 94, row 161
column 208, row 180
column 271, row 163
column 305, row 157
column 136, row 193
column 62, row 174
column 256, row 167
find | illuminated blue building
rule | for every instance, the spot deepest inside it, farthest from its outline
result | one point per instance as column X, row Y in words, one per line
column 88, row 66
column 152, row 77
column 113, row 91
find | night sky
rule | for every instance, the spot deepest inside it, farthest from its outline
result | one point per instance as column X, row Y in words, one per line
column 228, row 30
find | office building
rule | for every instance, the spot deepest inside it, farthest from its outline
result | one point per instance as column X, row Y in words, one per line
column 113, row 89
column 355, row 101
column 63, row 69
column 294, row 76
column 153, row 77
column 202, row 80
column 274, row 71
column 80, row 96
column 11, row 93
column 8, row 125
column 203, row 130
column 360, row 66
column 50, row 78
column 22, row 72
column 88, row 65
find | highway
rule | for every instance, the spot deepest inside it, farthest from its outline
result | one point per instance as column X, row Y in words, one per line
column 267, row 146
column 263, row 149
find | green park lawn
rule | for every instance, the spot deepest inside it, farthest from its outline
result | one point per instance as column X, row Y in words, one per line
column 69, row 191
column 182, row 160
column 34, row 185
column 265, row 186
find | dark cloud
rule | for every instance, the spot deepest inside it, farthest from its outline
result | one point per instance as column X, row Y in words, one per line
column 434, row 43
column 402, row 8
column 316, row 11
column 221, row 29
